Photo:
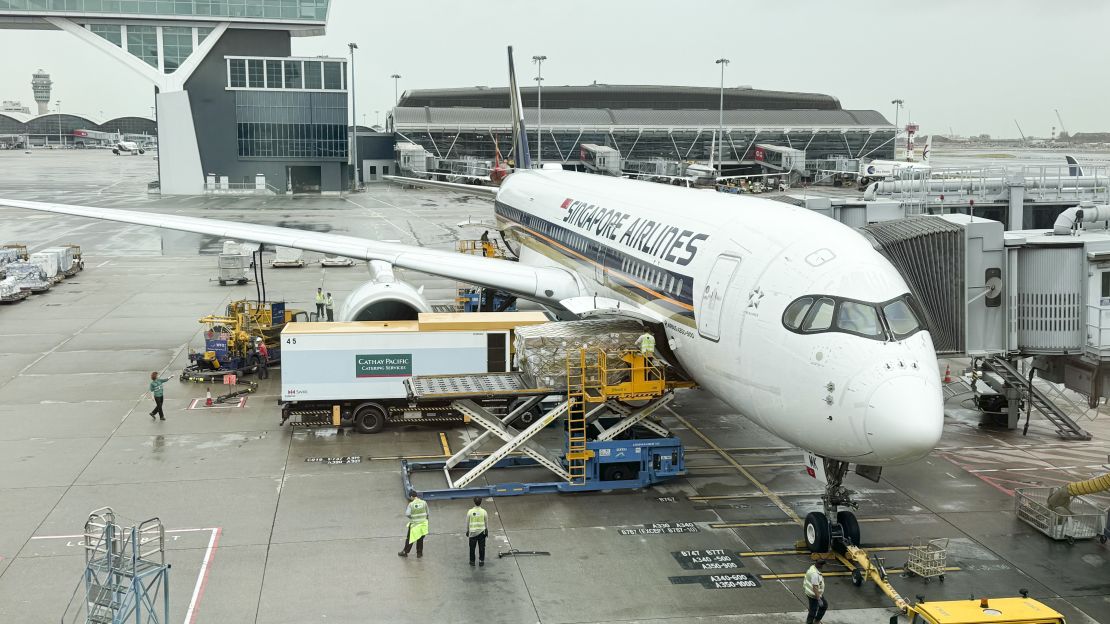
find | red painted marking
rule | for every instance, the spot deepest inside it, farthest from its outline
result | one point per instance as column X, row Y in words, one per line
column 566, row 203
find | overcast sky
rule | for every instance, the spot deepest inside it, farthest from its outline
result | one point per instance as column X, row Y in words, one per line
column 972, row 66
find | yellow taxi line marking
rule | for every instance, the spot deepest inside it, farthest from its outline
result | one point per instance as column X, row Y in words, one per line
column 798, row 575
column 771, row 553
column 740, row 525
column 786, row 509
column 443, row 443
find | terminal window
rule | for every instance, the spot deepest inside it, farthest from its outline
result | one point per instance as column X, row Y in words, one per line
column 315, row 10
column 177, row 45
column 111, row 32
column 273, row 74
column 142, row 41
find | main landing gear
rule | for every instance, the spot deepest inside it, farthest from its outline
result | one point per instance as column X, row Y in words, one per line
column 822, row 533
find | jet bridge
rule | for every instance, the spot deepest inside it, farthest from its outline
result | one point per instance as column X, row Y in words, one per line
column 1001, row 297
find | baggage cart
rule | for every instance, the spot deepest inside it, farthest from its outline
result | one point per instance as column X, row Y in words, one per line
column 927, row 559
column 1084, row 520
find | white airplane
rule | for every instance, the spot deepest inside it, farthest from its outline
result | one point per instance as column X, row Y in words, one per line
column 127, row 147
column 792, row 319
column 883, row 169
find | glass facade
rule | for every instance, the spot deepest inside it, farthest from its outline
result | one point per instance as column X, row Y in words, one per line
column 291, row 125
column 142, row 41
column 288, row 73
column 260, row 10
column 177, row 45
column 111, row 32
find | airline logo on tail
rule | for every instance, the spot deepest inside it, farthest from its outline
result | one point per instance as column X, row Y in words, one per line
column 520, row 137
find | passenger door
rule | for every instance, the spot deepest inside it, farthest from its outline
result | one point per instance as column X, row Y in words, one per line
column 711, row 304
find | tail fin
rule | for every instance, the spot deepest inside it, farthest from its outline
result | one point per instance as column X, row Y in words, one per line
column 520, row 136
column 928, row 150
column 1073, row 166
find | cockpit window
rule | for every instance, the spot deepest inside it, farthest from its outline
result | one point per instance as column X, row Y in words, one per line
column 900, row 318
column 796, row 312
column 820, row 318
column 891, row 320
column 859, row 318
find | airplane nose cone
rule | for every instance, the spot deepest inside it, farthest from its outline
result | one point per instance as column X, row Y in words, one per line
column 904, row 420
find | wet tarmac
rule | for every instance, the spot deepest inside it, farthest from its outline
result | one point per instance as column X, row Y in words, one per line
column 258, row 530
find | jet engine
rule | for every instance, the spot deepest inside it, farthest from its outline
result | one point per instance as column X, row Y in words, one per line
column 383, row 298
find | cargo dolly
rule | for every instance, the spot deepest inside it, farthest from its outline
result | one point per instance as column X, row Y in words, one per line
column 594, row 456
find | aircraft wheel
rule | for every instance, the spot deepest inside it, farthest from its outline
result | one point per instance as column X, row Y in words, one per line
column 849, row 526
column 817, row 532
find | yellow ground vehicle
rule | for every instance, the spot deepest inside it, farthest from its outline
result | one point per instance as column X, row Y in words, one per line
column 1022, row 610
column 229, row 340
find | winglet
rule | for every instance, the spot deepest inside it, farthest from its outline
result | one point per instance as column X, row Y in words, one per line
column 520, row 136
column 1074, row 169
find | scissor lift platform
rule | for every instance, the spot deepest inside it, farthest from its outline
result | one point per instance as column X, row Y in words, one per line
column 604, row 463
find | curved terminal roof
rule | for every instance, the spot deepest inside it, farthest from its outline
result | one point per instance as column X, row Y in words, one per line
column 618, row 97
column 22, row 123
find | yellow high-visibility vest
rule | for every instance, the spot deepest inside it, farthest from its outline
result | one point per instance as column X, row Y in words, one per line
column 475, row 521
column 418, row 511
column 646, row 342
column 320, row 297
column 813, row 581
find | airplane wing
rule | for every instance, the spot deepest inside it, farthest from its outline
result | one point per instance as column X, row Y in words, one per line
column 484, row 191
column 542, row 284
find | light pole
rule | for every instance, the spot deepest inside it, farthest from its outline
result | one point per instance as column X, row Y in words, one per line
column 538, row 60
column 897, row 107
column 59, row 104
column 395, row 77
column 378, row 118
column 721, row 119
column 354, row 115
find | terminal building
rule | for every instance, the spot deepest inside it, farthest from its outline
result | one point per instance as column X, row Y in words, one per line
column 233, row 105
column 71, row 129
column 645, row 124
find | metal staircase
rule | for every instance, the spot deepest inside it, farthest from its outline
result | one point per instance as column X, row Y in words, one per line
column 126, row 576
column 583, row 387
column 1066, row 428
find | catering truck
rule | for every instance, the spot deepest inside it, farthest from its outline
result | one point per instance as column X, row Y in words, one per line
column 338, row 374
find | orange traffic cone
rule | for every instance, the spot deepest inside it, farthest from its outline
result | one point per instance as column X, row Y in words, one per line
column 208, row 397
column 948, row 374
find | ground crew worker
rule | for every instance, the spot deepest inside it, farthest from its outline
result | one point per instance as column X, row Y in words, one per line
column 156, row 390
column 320, row 304
column 476, row 530
column 814, row 585
column 417, row 527
column 263, row 359
column 329, row 303
column 646, row 343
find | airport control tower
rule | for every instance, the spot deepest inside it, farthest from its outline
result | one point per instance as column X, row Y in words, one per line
column 40, row 83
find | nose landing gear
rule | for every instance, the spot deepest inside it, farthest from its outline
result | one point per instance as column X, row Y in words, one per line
column 833, row 529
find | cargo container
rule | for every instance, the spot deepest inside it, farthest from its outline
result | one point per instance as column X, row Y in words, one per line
column 48, row 262
column 353, row 373
column 66, row 264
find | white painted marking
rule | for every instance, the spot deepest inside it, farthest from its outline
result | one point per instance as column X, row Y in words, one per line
column 105, row 263
column 202, row 576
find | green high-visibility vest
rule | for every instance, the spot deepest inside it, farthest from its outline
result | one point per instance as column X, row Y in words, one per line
column 418, row 511
column 475, row 521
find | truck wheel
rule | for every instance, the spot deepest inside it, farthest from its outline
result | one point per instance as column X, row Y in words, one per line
column 618, row 472
column 370, row 418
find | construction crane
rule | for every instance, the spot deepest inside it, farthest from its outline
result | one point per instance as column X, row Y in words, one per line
column 1063, row 130
column 1019, row 131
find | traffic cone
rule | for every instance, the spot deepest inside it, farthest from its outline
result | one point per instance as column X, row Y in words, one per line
column 208, row 397
column 948, row 374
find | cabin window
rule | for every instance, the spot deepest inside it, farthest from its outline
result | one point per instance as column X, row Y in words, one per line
column 820, row 317
column 900, row 318
column 858, row 318
column 894, row 319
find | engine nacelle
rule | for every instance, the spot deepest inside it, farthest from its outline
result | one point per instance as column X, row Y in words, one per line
column 383, row 298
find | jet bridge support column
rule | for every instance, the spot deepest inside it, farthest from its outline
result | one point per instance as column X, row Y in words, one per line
column 1016, row 214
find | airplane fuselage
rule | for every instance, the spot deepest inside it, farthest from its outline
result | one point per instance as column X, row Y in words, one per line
column 721, row 271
